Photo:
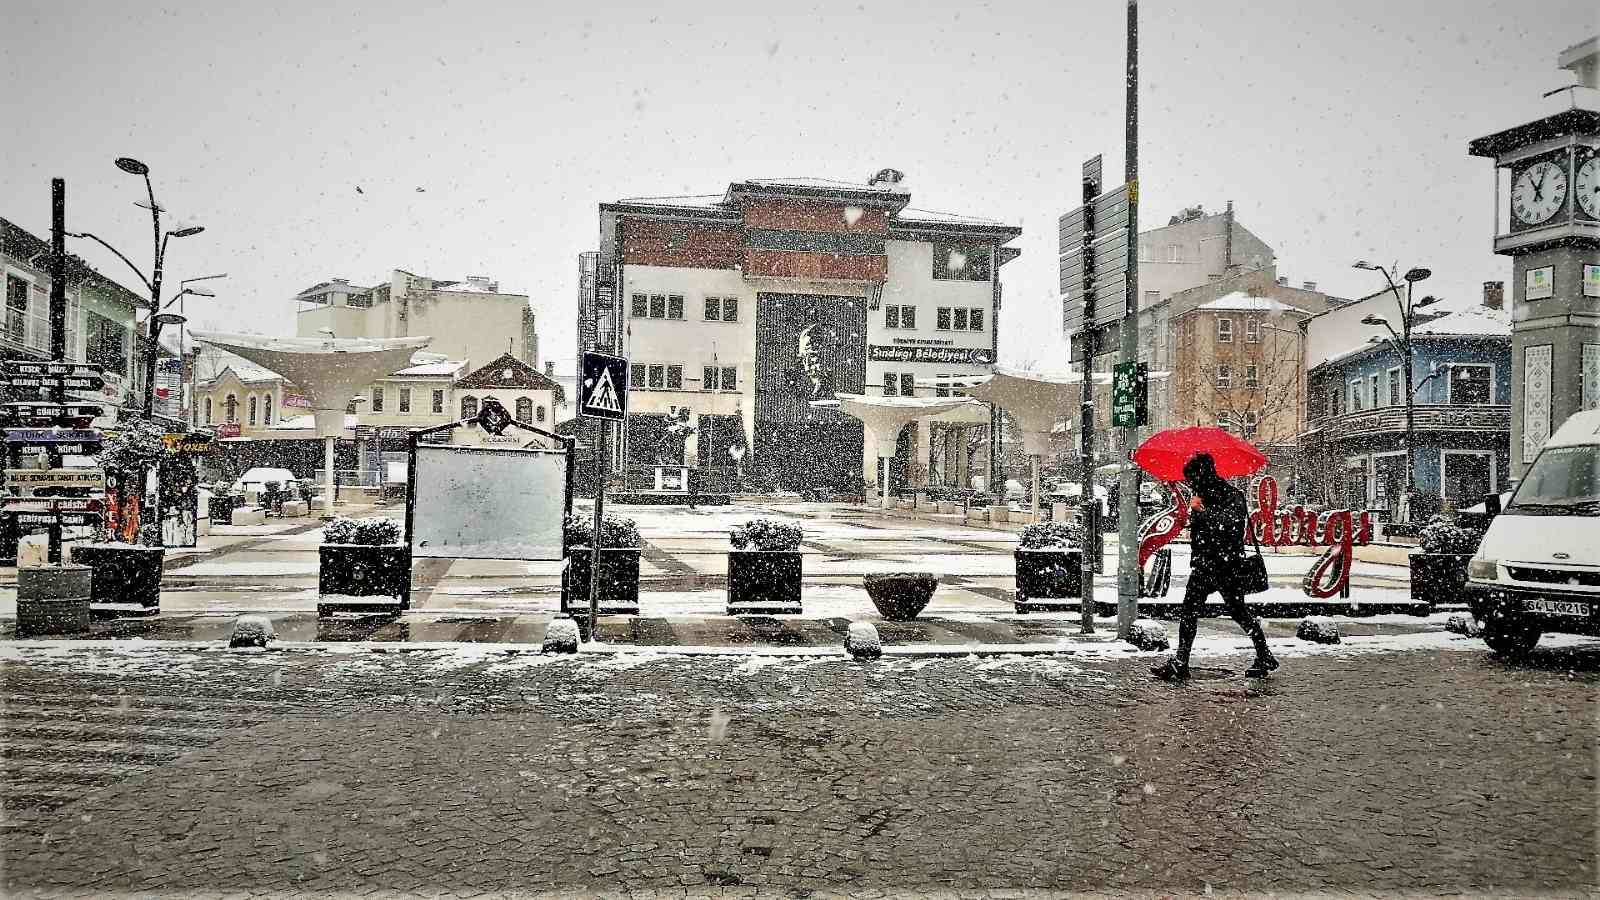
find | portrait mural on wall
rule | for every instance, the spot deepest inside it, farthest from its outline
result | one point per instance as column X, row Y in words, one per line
column 808, row 347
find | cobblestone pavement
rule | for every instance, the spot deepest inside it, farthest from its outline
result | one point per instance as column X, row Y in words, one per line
column 318, row 772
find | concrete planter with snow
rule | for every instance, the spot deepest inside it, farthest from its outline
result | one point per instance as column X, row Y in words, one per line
column 900, row 596
column 619, row 581
column 127, row 577
column 764, row 582
column 1318, row 630
column 369, row 578
column 999, row 513
column 53, row 600
column 1045, row 577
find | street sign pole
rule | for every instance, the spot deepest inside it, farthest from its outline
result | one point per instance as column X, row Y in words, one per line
column 58, row 315
column 1091, row 190
column 1128, row 513
column 602, row 397
column 604, row 428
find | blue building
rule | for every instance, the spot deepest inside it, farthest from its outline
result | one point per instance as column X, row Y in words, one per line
column 1353, row 451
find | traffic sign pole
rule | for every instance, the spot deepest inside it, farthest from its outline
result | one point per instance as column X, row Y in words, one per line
column 603, row 396
column 1128, row 580
column 1086, row 504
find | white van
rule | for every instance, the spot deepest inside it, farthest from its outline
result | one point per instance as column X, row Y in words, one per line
column 1537, row 568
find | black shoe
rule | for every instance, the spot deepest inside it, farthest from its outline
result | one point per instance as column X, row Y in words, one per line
column 1171, row 670
column 1261, row 667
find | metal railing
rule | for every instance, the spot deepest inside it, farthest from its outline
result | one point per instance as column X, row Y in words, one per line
column 363, row 478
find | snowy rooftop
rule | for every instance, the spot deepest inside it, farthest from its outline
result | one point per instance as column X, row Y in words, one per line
column 1239, row 301
column 1474, row 320
column 827, row 184
column 928, row 215
column 446, row 368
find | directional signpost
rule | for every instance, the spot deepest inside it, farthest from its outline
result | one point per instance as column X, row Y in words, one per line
column 603, row 395
column 51, row 427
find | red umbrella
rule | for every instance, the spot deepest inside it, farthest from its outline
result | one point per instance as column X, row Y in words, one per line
column 1166, row 452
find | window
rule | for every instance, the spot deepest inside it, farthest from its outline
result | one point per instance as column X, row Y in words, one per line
column 1252, row 331
column 1251, row 378
column 1225, row 421
column 658, row 306
column 438, row 401
column 730, row 309
column 674, row 378
column 1224, row 376
column 1394, row 386
column 377, row 399
column 658, row 377
column 105, row 343
column 891, row 316
column 942, row 319
column 975, row 319
column 1250, row 423
column 730, row 378
column 674, row 306
column 538, row 415
column 636, row 376
column 891, row 384
column 953, row 263
column 1355, row 395
column 1174, row 253
column 1334, row 392
column 1372, row 385
column 469, row 406
column 640, row 307
column 524, row 409
column 1225, row 330
column 908, row 386
column 908, row 317
column 266, row 410
column 405, row 400
column 1151, row 298
column 941, row 386
column 231, row 405
column 708, row 378
column 252, row 411
column 208, row 410
column 17, row 308
column 959, row 319
column 713, row 309
column 1472, row 384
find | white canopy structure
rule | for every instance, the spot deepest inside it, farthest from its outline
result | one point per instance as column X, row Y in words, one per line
column 881, row 421
column 327, row 371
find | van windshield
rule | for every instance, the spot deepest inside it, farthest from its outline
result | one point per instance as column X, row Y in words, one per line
column 1563, row 481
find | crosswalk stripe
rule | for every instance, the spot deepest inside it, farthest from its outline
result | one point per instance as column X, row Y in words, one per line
column 19, row 750
column 112, row 714
column 76, row 772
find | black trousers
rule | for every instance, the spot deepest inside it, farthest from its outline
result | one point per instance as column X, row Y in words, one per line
column 1203, row 584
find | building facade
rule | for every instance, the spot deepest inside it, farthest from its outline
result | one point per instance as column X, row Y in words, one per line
column 1353, row 450
column 738, row 311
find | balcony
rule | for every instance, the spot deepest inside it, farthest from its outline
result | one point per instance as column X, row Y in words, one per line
column 1448, row 417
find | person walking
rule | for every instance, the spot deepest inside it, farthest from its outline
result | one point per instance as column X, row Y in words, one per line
column 1217, row 519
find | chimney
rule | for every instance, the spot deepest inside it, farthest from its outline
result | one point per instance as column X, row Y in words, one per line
column 1227, row 241
column 888, row 178
column 1494, row 294
column 1308, row 285
column 549, row 368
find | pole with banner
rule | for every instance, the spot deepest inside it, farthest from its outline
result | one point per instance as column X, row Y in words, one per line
column 602, row 395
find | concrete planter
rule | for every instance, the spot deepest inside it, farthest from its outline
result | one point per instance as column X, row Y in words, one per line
column 764, row 582
column 947, row 507
column 248, row 515
column 293, row 509
column 999, row 514
column 53, row 600
column 354, row 572
column 900, row 596
column 1045, row 577
column 123, row 573
column 619, row 581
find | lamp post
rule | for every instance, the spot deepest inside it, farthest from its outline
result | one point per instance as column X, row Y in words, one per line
column 135, row 167
column 1400, row 343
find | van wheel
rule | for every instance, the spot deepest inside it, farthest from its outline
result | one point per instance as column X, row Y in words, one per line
column 1509, row 638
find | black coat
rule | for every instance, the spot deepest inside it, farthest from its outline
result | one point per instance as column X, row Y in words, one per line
column 1216, row 533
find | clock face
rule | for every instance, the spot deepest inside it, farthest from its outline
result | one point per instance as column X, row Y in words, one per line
column 1587, row 185
column 1538, row 192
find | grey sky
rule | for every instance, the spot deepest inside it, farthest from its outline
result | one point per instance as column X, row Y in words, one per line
column 1338, row 129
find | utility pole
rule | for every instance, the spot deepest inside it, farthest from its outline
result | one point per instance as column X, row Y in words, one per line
column 1091, row 544
column 1128, row 512
column 58, row 314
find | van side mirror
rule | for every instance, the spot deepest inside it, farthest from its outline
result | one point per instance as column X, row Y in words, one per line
column 1491, row 504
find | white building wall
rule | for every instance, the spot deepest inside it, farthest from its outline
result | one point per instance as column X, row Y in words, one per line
column 910, row 282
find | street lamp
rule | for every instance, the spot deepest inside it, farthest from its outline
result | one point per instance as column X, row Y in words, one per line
column 1400, row 343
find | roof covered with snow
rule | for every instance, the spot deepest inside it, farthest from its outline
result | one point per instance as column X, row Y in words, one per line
column 1472, row 321
column 448, row 368
column 1239, row 301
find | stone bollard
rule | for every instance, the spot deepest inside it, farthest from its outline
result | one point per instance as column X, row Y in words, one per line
column 251, row 631
column 1463, row 624
column 1148, row 634
column 862, row 641
column 561, row 636
column 53, row 599
column 1318, row 630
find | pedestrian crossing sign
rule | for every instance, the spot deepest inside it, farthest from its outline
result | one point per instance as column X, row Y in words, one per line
column 604, row 391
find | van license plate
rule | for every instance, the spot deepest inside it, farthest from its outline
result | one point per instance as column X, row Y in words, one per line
column 1558, row 607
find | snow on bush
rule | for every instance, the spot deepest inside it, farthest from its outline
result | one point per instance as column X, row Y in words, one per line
column 1441, row 535
column 561, row 636
column 1461, row 623
column 766, row 534
column 862, row 641
column 1318, row 630
column 251, row 631
column 1052, row 536
column 374, row 531
column 615, row 531
column 1148, row 634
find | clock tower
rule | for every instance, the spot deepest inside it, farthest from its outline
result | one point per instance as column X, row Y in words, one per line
column 1551, row 231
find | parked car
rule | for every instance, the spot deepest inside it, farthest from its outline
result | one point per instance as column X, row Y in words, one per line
column 257, row 479
column 1537, row 568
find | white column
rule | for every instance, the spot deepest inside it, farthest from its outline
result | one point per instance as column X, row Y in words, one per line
column 327, row 476
column 1033, row 469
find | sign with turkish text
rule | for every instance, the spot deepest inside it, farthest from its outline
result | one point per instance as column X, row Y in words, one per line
column 24, row 367
column 55, row 382
column 52, row 436
column 971, row 356
column 1129, row 394
column 34, row 479
column 51, row 504
column 43, row 413
column 51, row 518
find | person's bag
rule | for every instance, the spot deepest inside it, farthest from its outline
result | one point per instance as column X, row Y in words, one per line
column 1253, row 569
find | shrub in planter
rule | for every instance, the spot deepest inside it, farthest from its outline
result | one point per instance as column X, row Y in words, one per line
column 619, row 565
column 1439, row 568
column 900, row 596
column 1049, row 562
column 363, row 558
column 764, row 567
